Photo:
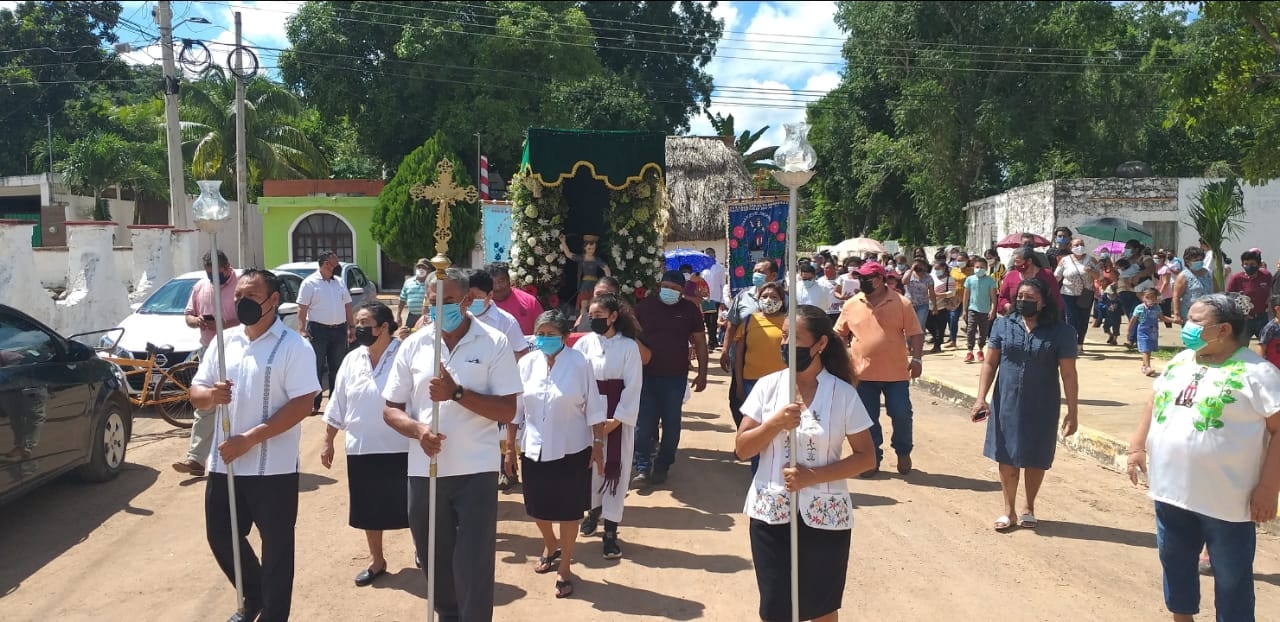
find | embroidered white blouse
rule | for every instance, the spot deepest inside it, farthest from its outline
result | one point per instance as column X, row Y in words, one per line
column 616, row 358
column 835, row 413
column 558, row 406
column 356, row 404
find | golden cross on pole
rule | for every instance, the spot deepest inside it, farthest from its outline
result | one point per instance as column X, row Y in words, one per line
column 444, row 194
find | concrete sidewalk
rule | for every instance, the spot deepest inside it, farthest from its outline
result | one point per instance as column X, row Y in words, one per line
column 1113, row 392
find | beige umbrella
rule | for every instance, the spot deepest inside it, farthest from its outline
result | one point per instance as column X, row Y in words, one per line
column 859, row 245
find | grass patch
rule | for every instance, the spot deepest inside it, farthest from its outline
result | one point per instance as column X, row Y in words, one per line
column 1165, row 353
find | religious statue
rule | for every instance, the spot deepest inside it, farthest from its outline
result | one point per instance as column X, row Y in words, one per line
column 590, row 269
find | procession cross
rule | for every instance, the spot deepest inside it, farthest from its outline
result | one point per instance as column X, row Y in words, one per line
column 444, row 194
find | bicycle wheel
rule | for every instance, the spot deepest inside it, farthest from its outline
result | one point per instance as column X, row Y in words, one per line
column 173, row 391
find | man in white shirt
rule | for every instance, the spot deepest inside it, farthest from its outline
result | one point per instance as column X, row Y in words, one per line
column 810, row 291
column 267, row 393
column 830, row 272
column 324, row 317
column 715, row 278
column 477, row 386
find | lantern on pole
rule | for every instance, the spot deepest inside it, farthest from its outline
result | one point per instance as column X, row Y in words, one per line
column 795, row 160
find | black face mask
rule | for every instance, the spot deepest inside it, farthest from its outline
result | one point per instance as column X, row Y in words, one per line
column 1027, row 308
column 1251, row 270
column 599, row 325
column 804, row 357
column 248, row 312
column 222, row 278
column 867, row 285
column 364, row 335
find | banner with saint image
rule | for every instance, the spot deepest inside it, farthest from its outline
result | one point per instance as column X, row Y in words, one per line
column 757, row 230
column 496, row 219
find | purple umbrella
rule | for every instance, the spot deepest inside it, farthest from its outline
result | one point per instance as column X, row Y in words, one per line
column 1115, row 248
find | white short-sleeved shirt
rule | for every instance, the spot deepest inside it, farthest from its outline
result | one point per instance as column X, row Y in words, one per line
column 506, row 324
column 814, row 293
column 715, row 277
column 481, row 362
column 1206, row 456
column 356, row 404
column 558, row 406
column 616, row 358
column 326, row 300
column 835, row 413
column 836, row 303
column 265, row 374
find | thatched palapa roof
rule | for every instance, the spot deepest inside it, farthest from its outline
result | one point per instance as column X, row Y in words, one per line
column 702, row 172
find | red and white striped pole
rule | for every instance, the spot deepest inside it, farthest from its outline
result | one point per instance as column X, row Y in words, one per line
column 484, row 177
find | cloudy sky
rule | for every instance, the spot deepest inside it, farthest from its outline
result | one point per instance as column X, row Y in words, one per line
column 762, row 77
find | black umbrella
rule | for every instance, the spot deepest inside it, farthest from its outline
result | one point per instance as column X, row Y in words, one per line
column 1114, row 229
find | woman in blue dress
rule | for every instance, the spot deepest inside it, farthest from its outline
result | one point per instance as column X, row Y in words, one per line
column 1027, row 352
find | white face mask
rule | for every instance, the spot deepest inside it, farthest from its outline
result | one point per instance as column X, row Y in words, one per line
column 1077, row 250
column 421, row 274
column 770, row 305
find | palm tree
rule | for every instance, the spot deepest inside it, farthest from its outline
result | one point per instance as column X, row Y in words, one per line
column 275, row 147
column 1217, row 216
column 101, row 160
column 754, row 160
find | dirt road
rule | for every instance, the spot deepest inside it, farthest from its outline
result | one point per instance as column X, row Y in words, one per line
column 922, row 546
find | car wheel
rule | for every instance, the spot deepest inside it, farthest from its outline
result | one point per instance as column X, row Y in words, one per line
column 108, row 444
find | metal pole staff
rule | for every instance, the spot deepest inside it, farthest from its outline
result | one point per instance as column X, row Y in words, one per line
column 225, row 418
column 793, row 180
column 443, row 193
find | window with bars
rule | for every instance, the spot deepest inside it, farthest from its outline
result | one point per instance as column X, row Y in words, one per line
column 323, row 232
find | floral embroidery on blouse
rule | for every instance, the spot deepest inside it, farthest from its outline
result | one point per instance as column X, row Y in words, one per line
column 1209, row 408
column 774, row 505
column 829, row 511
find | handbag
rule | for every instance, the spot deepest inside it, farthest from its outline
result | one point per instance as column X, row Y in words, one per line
column 1084, row 301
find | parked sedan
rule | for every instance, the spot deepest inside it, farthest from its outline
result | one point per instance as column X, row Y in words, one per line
column 362, row 289
column 61, row 408
column 161, row 320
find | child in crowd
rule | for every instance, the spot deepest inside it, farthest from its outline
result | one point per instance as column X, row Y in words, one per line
column 979, row 305
column 1269, row 338
column 1146, row 322
column 1110, row 305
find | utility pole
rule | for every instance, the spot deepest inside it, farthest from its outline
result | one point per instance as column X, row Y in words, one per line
column 48, row 124
column 173, row 130
column 250, row 252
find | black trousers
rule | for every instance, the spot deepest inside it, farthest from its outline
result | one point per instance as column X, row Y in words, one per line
column 711, row 319
column 331, row 346
column 269, row 502
column 466, row 523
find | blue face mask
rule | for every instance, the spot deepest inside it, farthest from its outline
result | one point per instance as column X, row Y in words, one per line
column 452, row 317
column 757, row 279
column 669, row 296
column 1197, row 265
column 477, row 307
column 979, row 272
column 1192, row 336
column 549, row 345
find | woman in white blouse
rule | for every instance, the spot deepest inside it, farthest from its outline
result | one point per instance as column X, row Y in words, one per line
column 1076, row 273
column 1209, row 439
column 614, row 353
column 563, row 417
column 377, row 455
column 827, row 413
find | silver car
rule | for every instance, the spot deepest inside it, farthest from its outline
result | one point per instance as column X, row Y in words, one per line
column 361, row 287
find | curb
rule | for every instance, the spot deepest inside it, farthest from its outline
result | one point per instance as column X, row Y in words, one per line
column 1108, row 451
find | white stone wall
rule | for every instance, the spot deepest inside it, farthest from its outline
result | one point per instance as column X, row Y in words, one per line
column 1261, row 213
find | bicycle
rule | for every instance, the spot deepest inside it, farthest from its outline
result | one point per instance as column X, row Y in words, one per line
column 168, row 390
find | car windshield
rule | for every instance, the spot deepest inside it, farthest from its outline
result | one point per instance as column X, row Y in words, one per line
column 170, row 299
column 301, row 272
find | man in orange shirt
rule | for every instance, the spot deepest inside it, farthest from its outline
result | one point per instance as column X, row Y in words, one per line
column 886, row 343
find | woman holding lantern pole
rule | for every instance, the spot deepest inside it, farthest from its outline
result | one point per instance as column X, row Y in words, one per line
column 826, row 414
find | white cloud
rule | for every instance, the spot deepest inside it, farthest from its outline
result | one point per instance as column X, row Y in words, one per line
column 263, row 22
column 761, row 64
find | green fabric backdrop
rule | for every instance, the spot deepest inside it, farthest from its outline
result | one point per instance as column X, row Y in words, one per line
column 617, row 158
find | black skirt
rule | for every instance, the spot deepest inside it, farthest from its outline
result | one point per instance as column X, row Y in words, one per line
column 824, row 561
column 379, row 489
column 559, row 490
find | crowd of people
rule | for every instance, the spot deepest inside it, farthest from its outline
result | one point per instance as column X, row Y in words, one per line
column 580, row 402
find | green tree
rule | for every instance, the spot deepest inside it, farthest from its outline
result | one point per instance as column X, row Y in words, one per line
column 1217, row 214
column 753, row 159
column 405, row 227
column 665, row 47
column 602, row 102
column 55, row 60
column 102, row 160
column 275, row 147
column 397, row 70
column 341, row 144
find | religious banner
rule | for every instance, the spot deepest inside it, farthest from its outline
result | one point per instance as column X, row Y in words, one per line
column 757, row 230
column 497, row 232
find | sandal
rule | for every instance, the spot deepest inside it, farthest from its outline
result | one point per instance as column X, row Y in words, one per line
column 1028, row 521
column 1003, row 523
column 548, row 563
column 564, row 589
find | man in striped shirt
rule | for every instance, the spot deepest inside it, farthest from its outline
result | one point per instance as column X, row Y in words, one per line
column 412, row 294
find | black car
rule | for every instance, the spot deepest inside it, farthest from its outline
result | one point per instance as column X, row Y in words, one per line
column 61, row 408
